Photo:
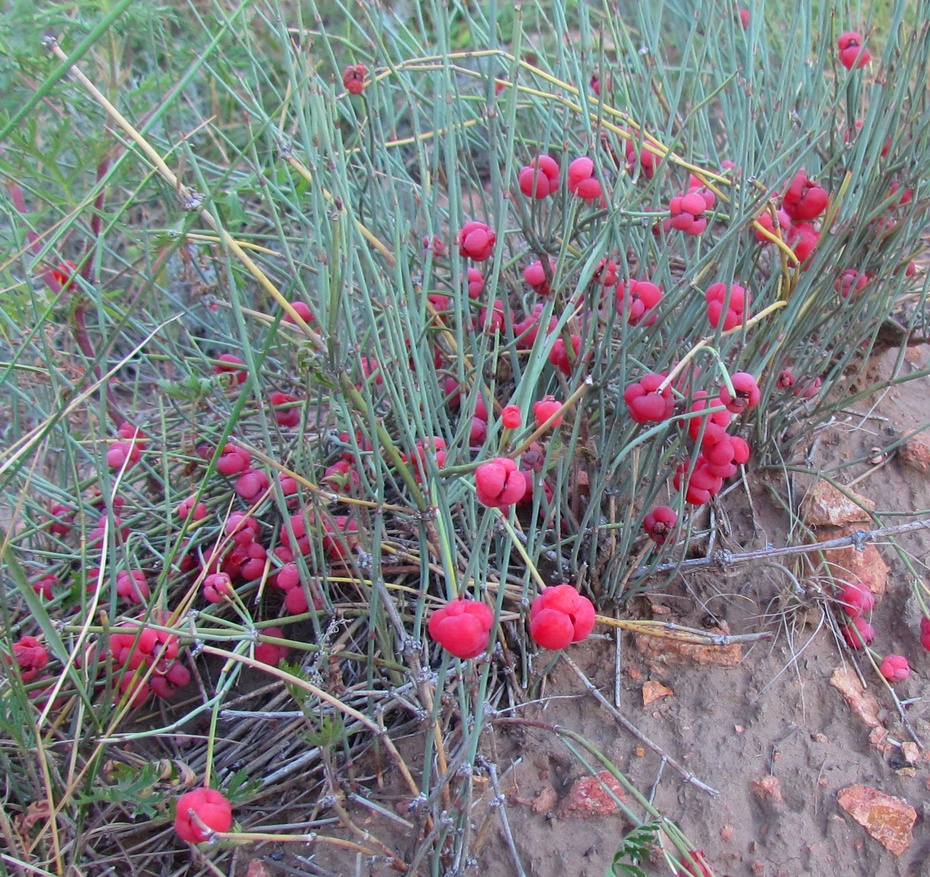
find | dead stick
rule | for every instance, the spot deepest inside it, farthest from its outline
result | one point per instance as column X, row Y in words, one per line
column 725, row 558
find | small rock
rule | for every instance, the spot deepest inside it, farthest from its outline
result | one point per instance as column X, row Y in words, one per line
column 660, row 651
column 824, row 505
column 863, row 703
column 257, row 868
column 769, row 787
column 887, row 819
column 727, row 832
column 545, row 800
column 652, row 691
column 915, row 452
column 866, row 567
column 588, row 797
column 911, row 752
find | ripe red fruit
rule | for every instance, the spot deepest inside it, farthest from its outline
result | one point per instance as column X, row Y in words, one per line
column 747, row 393
column 559, row 357
column 856, row 600
column 851, row 282
column 895, row 668
column 233, row 460
column 499, row 483
column 353, row 78
column 233, row 366
column 190, row 509
column 782, row 221
column 271, row 653
column 701, row 485
column 340, row 538
column 212, row 810
column 132, row 586
column 217, row 588
column 581, row 180
column 535, row 275
column 636, row 299
column 511, row 417
column 744, row 18
column 251, row 484
column 804, row 198
column 286, row 413
column 475, row 280
column 729, row 304
column 540, row 178
column 925, row 632
column 303, row 311
column 435, row 447
column 687, row 211
column 857, row 633
column 62, row 519
column 30, row 656
column 462, row 627
column 648, row 161
column 659, row 523
column 476, row 241
column 645, row 403
column 802, row 238
column 560, row 616
column 544, row 409
column 165, row 682
column 852, row 52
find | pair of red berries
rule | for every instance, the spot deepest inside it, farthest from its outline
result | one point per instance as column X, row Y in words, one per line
column 559, row 616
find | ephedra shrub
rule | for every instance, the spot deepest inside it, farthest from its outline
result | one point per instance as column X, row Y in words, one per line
column 406, row 323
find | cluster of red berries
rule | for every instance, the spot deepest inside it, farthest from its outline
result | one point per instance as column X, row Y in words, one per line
column 688, row 210
column 148, row 663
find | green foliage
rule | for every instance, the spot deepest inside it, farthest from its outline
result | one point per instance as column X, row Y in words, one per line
column 635, row 846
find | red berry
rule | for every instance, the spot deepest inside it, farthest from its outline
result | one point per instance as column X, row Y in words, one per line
column 353, row 78
column 925, row 632
column 535, row 275
column 744, row 18
column 851, row 282
column 499, row 483
column 233, row 460
column 30, row 656
column 475, row 281
column 560, row 616
column 251, row 484
column 272, row 653
column 747, row 393
column 544, row 409
column 217, row 588
column 852, row 52
column 462, row 627
column 895, row 668
column 511, row 417
column 858, row 633
column 132, row 586
column 729, row 304
column 64, row 274
column 581, row 180
column 476, row 241
column 540, row 178
column 636, row 299
column 856, row 600
column 645, row 403
column 559, row 357
column 659, row 523
column 286, row 413
column 213, row 813
column 233, row 366
column 804, row 198
column 303, row 311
